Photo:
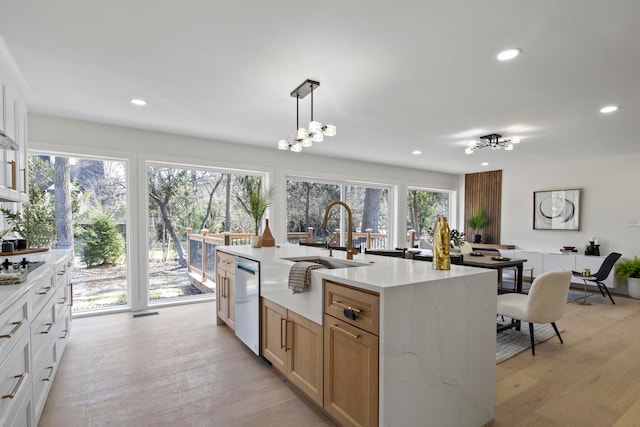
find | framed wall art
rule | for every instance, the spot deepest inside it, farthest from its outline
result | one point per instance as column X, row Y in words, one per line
column 556, row 210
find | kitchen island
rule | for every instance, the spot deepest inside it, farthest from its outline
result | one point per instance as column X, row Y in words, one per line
column 436, row 337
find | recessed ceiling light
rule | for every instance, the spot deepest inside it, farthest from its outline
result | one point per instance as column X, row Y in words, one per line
column 609, row 109
column 416, row 152
column 508, row 54
column 139, row 102
column 484, row 164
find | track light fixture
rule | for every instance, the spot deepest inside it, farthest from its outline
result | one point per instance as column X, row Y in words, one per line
column 316, row 131
column 494, row 141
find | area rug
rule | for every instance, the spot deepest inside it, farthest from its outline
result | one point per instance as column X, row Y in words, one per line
column 511, row 342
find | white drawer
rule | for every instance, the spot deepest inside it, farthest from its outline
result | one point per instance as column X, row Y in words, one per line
column 40, row 292
column 60, row 303
column 21, row 413
column 15, row 378
column 42, row 332
column 42, row 379
column 13, row 324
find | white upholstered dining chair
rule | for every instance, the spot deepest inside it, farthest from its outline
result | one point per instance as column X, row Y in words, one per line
column 544, row 304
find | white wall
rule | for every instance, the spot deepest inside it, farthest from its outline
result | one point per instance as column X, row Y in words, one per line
column 92, row 139
column 609, row 199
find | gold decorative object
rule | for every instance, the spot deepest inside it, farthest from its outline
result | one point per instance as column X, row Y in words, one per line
column 441, row 245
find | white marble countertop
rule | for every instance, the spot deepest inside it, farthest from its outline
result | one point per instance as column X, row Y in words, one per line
column 10, row 293
column 376, row 273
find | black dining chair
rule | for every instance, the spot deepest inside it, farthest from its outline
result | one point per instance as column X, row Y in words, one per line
column 602, row 274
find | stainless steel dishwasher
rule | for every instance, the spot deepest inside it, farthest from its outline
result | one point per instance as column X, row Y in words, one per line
column 247, row 306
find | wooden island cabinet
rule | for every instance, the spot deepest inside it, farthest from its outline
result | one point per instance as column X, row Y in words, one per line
column 351, row 325
column 225, row 288
column 293, row 345
column 380, row 341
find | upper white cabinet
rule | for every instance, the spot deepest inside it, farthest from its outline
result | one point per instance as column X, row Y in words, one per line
column 13, row 160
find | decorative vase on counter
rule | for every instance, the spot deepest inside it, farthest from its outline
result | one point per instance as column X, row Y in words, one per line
column 255, row 241
column 441, row 245
column 267, row 239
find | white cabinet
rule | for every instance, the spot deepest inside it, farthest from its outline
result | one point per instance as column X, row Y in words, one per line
column 15, row 381
column 34, row 330
column 13, row 162
column 49, row 329
column 555, row 262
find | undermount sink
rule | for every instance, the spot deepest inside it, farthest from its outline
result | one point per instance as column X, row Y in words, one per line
column 330, row 263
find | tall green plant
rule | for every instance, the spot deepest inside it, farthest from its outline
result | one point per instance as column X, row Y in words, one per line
column 255, row 200
column 478, row 220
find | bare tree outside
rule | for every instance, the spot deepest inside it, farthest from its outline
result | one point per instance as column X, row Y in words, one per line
column 62, row 195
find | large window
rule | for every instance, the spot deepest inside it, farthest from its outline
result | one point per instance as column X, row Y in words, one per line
column 82, row 203
column 182, row 198
column 423, row 208
column 307, row 201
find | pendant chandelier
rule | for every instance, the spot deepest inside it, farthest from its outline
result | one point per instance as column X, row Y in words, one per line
column 494, row 141
column 304, row 138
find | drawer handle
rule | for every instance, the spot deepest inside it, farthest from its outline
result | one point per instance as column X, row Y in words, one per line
column 64, row 337
column 50, row 368
column 14, row 330
column 338, row 328
column 62, row 300
column 45, row 290
column 348, row 307
column 283, row 343
column 16, row 388
column 61, row 273
column 50, row 325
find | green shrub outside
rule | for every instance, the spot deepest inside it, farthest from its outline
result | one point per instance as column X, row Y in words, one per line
column 102, row 243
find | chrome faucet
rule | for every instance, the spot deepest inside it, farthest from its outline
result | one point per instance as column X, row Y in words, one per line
column 350, row 250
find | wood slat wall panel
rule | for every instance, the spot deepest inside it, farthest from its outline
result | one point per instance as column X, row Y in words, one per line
column 483, row 190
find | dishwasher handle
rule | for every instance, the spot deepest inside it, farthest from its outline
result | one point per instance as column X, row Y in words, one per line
column 248, row 268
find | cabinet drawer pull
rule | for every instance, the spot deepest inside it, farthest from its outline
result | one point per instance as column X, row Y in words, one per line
column 50, row 325
column 13, row 331
column 70, row 294
column 24, row 180
column 338, row 328
column 16, row 388
column 283, row 343
column 13, row 174
column 348, row 307
column 61, row 273
column 45, row 290
column 286, row 335
column 62, row 300
column 50, row 368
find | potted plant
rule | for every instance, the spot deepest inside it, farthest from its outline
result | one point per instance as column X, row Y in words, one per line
column 457, row 237
column 477, row 221
column 631, row 271
column 255, row 202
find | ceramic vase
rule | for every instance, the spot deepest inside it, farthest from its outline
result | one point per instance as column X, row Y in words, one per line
column 634, row 287
column 255, row 241
column 267, row 239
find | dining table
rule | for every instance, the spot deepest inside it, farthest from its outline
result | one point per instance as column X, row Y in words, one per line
column 496, row 262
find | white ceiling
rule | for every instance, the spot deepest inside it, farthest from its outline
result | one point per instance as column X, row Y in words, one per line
column 394, row 76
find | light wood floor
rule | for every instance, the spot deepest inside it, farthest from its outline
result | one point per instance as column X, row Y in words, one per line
column 179, row 368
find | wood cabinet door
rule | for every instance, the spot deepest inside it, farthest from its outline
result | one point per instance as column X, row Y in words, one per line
column 304, row 350
column 350, row 374
column 222, row 301
column 273, row 334
column 231, row 300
